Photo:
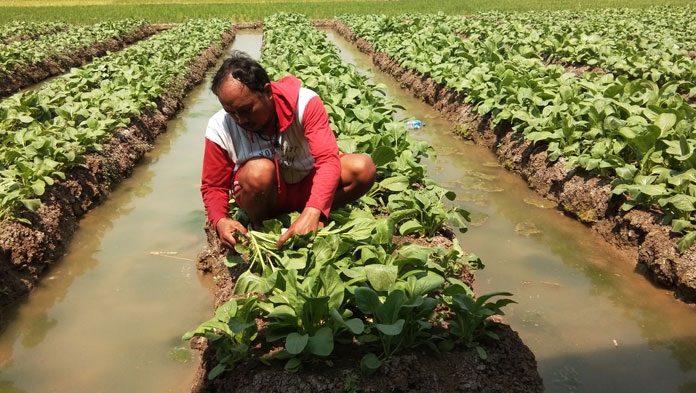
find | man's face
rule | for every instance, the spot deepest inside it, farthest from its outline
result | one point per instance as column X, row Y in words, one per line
column 250, row 110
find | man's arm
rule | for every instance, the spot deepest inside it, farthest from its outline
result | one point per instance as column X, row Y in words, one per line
column 216, row 180
column 218, row 171
column 324, row 149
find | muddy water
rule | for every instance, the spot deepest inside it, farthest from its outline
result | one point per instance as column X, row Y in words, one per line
column 39, row 85
column 593, row 323
column 108, row 317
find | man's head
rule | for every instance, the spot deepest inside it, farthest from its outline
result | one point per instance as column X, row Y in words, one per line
column 244, row 90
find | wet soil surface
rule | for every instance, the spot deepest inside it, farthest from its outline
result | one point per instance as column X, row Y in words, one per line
column 510, row 366
column 638, row 233
column 26, row 251
column 27, row 75
column 505, row 370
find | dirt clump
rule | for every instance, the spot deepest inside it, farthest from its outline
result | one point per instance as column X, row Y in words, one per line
column 26, row 251
column 576, row 68
column 639, row 234
column 321, row 23
column 248, row 25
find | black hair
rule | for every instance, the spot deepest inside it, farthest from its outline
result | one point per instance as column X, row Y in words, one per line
column 243, row 68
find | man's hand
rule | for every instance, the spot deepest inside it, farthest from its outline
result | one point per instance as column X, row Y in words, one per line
column 308, row 221
column 226, row 229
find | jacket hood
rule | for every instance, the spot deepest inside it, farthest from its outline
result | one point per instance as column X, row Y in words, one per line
column 285, row 94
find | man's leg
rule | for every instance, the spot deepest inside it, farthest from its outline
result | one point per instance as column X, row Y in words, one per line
column 259, row 189
column 357, row 176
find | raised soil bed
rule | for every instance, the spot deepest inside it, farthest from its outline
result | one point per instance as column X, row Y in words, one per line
column 510, row 365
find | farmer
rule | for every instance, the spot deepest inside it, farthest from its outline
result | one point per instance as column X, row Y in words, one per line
column 272, row 146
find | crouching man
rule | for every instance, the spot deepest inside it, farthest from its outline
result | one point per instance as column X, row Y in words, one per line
column 271, row 145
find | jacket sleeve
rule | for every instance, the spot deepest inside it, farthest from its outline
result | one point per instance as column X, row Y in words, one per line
column 216, row 181
column 324, row 149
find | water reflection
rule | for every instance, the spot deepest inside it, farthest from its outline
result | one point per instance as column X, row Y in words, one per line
column 56, row 283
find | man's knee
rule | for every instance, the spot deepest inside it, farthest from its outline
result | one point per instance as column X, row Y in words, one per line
column 362, row 169
column 258, row 175
column 365, row 168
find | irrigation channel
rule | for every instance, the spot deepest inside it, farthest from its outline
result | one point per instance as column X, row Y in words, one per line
column 593, row 323
column 109, row 316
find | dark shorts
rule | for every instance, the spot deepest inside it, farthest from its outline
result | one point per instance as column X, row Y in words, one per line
column 291, row 197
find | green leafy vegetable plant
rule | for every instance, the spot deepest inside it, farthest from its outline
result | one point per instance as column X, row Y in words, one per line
column 231, row 332
column 471, row 323
column 430, row 212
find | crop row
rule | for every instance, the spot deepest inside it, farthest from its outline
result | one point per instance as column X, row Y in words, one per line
column 621, row 44
column 353, row 282
column 658, row 23
column 20, row 30
column 23, row 53
column 44, row 131
column 638, row 132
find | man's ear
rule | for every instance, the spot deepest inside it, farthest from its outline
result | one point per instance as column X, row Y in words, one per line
column 268, row 91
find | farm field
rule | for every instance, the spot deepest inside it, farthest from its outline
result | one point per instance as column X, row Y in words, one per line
column 554, row 264
column 312, row 289
column 631, row 135
column 594, row 109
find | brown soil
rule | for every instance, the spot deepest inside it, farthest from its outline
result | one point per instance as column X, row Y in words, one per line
column 27, row 75
column 27, row 250
column 638, row 233
column 248, row 25
column 322, row 22
column 577, row 69
column 510, row 366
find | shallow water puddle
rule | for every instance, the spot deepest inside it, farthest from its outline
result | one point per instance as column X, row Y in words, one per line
column 109, row 316
column 593, row 323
